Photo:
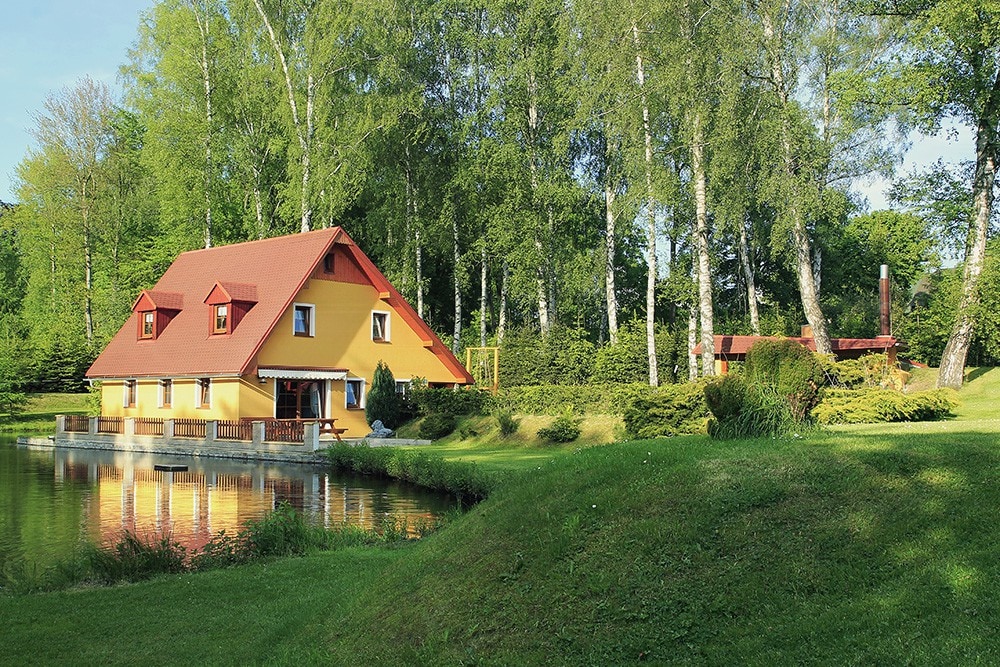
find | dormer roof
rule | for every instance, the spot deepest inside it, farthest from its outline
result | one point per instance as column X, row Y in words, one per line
column 226, row 292
column 158, row 300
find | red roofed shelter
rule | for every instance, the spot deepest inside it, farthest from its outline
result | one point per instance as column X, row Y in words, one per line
column 287, row 328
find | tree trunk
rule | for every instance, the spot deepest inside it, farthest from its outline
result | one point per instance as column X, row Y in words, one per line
column 609, row 259
column 692, row 343
column 206, row 80
column 456, row 341
column 952, row 369
column 88, row 264
column 504, row 286
column 800, row 236
column 482, row 297
column 744, row 251
column 651, row 275
column 705, row 305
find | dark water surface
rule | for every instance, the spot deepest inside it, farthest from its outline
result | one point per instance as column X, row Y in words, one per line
column 51, row 500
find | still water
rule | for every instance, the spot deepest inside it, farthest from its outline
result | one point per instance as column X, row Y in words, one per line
column 51, row 500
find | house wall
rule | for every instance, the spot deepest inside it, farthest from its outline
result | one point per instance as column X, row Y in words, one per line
column 343, row 324
column 225, row 399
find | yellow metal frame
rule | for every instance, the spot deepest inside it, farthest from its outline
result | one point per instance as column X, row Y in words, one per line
column 495, row 384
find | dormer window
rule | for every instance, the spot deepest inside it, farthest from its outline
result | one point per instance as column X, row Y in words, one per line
column 148, row 324
column 154, row 311
column 221, row 319
column 227, row 304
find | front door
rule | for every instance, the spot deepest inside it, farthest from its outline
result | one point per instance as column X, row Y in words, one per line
column 299, row 399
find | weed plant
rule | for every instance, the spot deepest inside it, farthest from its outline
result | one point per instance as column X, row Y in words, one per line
column 565, row 428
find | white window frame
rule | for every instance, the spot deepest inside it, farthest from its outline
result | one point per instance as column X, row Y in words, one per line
column 386, row 335
column 207, row 405
column 406, row 384
column 361, row 399
column 312, row 319
column 125, row 386
column 160, row 403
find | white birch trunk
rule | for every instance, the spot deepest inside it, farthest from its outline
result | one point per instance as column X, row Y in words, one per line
column 748, row 277
column 692, row 343
column 609, row 260
column 705, row 304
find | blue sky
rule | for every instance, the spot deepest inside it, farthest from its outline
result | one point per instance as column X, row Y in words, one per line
column 47, row 45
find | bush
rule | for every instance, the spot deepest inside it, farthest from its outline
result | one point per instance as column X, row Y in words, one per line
column 382, row 402
column 437, row 426
column 871, row 370
column 565, row 428
column 469, row 401
column 12, row 403
column 564, row 356
column 670, row 410
column 507, row 423
column 869, row 406
column 775, row 393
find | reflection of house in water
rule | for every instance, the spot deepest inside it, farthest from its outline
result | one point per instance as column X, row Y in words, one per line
column 217, row 495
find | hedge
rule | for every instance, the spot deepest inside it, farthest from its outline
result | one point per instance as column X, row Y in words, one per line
column 553, row 399
column 670, row 410
column 869, row 406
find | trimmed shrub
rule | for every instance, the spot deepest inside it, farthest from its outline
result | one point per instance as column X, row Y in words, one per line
column 564, row 356
column 869, row 406
column 565, row 428
column 437, row 426
column 605, row 399
column 469, row 401
column 382, row 402
column 794, row 373
column 670, row 410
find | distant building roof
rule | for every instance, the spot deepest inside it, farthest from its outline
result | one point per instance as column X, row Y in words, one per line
column 734, row 348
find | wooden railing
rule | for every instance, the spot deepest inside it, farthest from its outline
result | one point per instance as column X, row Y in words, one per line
column 284, row 430
column 148, row 426
column 77, row 423
column 111, row 425
column 234, row 430
column 190, row 428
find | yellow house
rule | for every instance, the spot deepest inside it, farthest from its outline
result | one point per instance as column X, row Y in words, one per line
column 284, row 328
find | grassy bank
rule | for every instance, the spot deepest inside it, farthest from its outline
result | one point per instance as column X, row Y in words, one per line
column 39, row 415
column 860, row 545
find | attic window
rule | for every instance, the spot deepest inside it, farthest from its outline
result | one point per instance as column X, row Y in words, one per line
column 148, row 324
column 304, row 321
column 221, row 321
column 380, row 326
column 328, row 263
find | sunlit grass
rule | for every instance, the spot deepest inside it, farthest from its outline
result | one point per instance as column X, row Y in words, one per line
column 39, row 415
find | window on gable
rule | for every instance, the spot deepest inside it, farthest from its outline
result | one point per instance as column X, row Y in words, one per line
column 380, row 326
column 166, row 393
column 203, row 393
column 221, row 320
column 303, row 321
column 402, row 387
column 131, row 389
column 148, row 323
column 355, row 390
column 328, row 263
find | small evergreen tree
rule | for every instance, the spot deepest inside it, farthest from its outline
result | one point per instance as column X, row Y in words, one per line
column 383, row 402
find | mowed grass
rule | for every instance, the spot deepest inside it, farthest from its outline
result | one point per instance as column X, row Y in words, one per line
column 875, row 545
column 39, row 415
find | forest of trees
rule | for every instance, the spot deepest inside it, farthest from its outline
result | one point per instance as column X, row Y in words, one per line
column 679, row 168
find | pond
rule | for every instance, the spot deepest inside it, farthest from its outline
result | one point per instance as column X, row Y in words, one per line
column 52, row 499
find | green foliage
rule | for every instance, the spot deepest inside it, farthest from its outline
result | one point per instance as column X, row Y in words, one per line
column 869, row 406
column 625, row 361
column 463, row 480
column 565, row 428
column 134, row 558
column 871, row 370
column 507, row 423
column 382, row 402
column 594, row 399
column 12, row 402
column 470, row 401
column 564, row 357
column 670, row 410
column 437, row 425
column 775, row 393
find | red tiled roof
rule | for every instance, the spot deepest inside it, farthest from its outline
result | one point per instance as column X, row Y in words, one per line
column 268, row 273
column 736, row 346
column 160, row 299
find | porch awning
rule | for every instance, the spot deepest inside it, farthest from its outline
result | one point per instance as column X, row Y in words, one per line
column 301, row 374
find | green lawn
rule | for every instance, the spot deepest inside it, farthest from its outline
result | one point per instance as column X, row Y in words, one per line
column 858, row 545
column 39, row 415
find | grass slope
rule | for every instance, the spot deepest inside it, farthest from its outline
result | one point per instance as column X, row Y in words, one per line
column 857, row 546
column 39, row 415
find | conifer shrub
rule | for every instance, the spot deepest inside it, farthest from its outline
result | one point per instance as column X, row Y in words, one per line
column 383, row 403
column 669, row 410
column 437, row 426
column 869, row 406
column 507, row 423
column 565, row 428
